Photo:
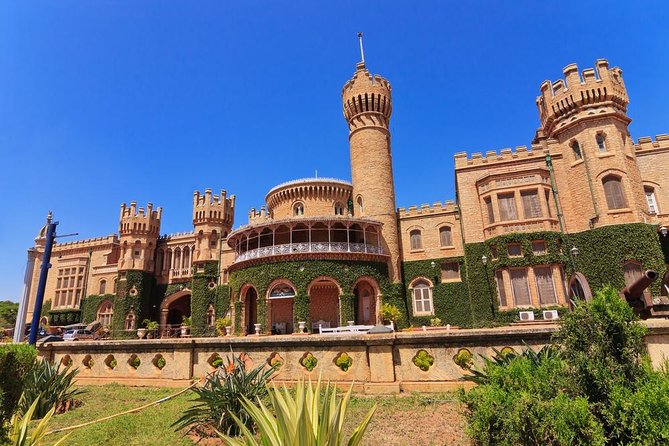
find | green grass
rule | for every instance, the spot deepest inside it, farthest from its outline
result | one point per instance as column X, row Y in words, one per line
column 427, row 419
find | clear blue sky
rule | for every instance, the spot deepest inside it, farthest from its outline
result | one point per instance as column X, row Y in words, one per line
column 104, row 102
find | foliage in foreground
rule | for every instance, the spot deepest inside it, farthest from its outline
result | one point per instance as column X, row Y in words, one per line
column 21, row 435
column 594, row 386
column 16, row 360
column 221, row 397
column 310, row 417
column 49, row 387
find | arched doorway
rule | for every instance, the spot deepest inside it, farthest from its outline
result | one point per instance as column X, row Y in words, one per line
column 172, row 311
column 364, row 303
column 579, row 289
column 280, row 299
column 324, row 295
column 250, row 310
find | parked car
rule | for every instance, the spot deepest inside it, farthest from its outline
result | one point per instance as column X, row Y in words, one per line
column 50, row 338
column 78, row 335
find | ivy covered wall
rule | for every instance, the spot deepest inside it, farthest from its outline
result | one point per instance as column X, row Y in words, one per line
column 135, row 292
column 301, row 273
column 90, row 305
column 205, row 292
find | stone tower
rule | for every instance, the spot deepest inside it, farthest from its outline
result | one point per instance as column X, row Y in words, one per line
column 138, row 230
column 213, row 216
column 367, row 108
column 584, row 117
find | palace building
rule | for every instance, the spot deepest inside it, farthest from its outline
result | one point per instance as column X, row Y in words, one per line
column 529, row 228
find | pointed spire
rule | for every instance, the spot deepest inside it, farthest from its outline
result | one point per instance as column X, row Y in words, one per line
column 361, row 64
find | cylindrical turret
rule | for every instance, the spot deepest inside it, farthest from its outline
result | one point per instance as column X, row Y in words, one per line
column 367, row 105
column 138, row 231
column 213, row 217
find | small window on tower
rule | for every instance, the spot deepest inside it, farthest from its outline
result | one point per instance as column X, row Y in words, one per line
column 298, row 209
column 338, row 209
column 601, row 143
column 576, row 148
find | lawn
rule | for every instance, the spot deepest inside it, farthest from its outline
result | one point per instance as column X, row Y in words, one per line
column 399, row 420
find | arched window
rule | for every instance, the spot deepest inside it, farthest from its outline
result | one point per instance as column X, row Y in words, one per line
column 129, row 323
column 576, row 148
column 105, row 313
column 360, row 207
column 649, row 191
column 103, row 286
column 416, row 240
column 298, row 209
column 601, row 143
column 445, row 236
column 422, row 298
column 211, row 316
column 613, row 189
column 338, row 209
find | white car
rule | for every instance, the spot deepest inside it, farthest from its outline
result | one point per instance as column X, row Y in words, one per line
column 77, row 335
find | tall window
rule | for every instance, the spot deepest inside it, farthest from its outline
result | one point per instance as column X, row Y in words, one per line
column 613, row 189
column 548, row 203
column 422, row 298
column 577, row 150
column 520, row 287
column 338, row 209
column 129, row 323
column 445, row 236
column 103, row 286
column 105, row 313
column 360, row 207
column 298, row 209
column 211, row 316
column 531, row 204
column 650, row 199
column 491, row 213
column 545, row 287
column 507, row 207
column 501, row 291
column 416, row 240
column 601, row 143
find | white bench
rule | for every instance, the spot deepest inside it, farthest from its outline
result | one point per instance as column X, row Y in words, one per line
column 350, row 328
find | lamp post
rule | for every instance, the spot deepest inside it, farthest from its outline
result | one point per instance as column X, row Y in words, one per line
column 663, row 230
column 484, row 260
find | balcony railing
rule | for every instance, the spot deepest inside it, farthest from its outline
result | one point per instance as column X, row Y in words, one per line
column 307, row 247
column 178, row 273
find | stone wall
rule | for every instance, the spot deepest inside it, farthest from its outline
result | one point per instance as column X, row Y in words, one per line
column 382, row 363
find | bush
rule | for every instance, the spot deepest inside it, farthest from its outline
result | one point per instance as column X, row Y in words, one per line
column 390, row 312
column 50, row 387
column 219, row 399
column 16, row 360
column 22, row 435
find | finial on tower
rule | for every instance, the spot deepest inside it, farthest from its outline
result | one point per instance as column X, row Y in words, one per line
column 362, row 51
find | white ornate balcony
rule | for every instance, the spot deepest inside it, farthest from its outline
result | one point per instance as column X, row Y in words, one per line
column 299, row 248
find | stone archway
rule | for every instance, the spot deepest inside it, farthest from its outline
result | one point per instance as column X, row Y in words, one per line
column 249, row 297
column 174, row 308
column 280, row 300
column 324, row 293
column 579, row 287
column 365, row 302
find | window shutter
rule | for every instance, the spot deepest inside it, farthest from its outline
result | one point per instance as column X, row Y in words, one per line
column 545, row 288
column 445, row 237
column 615, row 198
column 519, row 285
column 501, row 291
column 531, row 206
column 491, row 213
column 507, row 207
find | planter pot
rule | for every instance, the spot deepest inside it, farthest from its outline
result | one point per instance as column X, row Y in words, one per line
column 301, row 326
column 150, row 334
column 350, row 323
column 184, row 331
column 257, row 328
column 228, row 330
column 141, row 333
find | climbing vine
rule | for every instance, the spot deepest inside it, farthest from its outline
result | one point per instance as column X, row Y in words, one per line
column 134, row 293
column 205, row 292
column 90, row 305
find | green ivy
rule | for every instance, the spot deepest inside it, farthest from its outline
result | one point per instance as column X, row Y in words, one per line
column 90, row 305
column 46, row 307
column 144, row 304
column 301, row 273
column 64, row 317
column 202, row 296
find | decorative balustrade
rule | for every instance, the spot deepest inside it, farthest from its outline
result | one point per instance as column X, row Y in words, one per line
column 306, row 247
column 546, row 224
column 180, row 273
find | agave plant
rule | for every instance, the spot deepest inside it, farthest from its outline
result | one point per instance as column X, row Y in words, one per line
column 307, row 418
column 479, row 376
column 221, row 395
column 20, row 434
column 47, row 387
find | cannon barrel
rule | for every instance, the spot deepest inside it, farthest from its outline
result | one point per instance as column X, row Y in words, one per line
column 635, row 296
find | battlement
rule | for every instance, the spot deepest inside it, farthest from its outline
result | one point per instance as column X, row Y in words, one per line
column 134, row 221
column 504, row 156
column 366, row 93
column 566, row 97
column 86, row 243
column 258, row 216
column 646, row 144
column 215, row 209
column 177, row 235
column 438, row 207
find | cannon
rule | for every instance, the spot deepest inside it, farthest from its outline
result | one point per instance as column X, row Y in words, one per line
column 636, row 295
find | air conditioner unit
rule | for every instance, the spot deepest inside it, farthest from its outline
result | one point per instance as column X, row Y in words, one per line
column 526, row 315
column 550, row 315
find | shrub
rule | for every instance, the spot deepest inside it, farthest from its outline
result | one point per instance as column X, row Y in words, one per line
column 135, row 362
column 344, row 362
column 221, row 323
column 423, row 360
column 161, row 362
column 308, row 416
column 16, row 361
column 464, row 359
column 20, row 434
column 309, row 361
column 48, row 386
column 435, row 322
column 219, row 399
column 390, row 312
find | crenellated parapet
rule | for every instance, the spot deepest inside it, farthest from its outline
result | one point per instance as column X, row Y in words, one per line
column 578, row 95
column 503, row 156
column 134, row 221
column 367, row 100
column 646, row 144
column 214, row 209
column 447, row 207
